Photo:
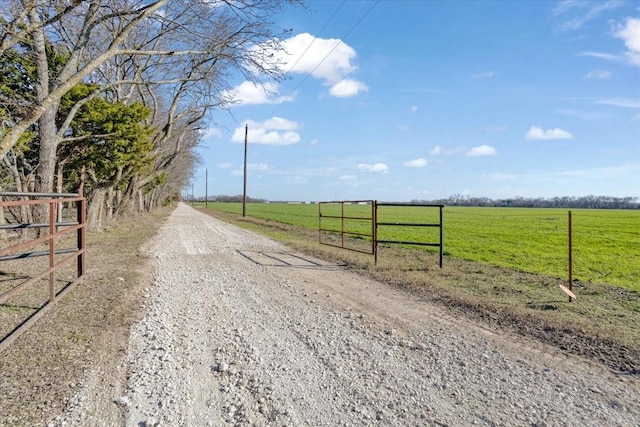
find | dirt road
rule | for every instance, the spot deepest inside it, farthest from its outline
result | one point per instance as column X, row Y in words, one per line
column 240, row 331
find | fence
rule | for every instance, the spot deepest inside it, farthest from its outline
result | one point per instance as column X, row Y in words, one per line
column 47, row 236
column 439, row 244
column 362, row 223
column 605, row 243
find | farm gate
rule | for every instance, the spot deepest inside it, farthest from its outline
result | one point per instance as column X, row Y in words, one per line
column 25, row 241
column 354, row 225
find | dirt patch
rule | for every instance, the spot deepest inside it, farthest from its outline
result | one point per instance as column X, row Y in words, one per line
column 88, row 328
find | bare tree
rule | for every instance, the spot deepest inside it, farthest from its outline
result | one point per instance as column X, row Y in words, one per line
column 175, row 56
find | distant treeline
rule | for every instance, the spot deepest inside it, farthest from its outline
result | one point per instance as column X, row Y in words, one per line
column 228, row 199
column 585, row 202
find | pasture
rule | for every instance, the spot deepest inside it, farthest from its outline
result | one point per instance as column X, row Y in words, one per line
column 606, row 243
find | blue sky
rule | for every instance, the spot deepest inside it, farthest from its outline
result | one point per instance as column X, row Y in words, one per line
column 404, row 100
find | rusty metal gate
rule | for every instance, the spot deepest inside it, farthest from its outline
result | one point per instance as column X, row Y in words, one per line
column 20, row 249
column 337, row 227
column 345, row 224
column 439, row 225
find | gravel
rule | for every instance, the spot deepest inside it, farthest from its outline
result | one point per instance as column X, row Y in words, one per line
column 241, row 331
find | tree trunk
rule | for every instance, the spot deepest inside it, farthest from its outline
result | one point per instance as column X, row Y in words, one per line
column 96, row 209
column 109, row 203
column 46, row 123
column 59, row 188
column 3, row 220
column 140, row 207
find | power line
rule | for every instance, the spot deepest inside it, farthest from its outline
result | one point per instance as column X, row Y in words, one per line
column 326, row 56
column 319, row 32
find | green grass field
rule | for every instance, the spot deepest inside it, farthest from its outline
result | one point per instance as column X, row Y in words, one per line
column 606, row 243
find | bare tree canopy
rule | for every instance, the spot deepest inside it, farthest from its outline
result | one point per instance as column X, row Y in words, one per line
column 174, row 57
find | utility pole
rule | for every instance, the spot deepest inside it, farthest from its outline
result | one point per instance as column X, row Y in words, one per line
column 206, row 187
column 244, row 192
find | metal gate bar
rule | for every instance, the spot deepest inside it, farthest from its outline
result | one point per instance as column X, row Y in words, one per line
column 439, row 224
column 54, row 201
column 343, row 232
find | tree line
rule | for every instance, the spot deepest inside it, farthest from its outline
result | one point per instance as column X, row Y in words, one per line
column 584, row 202
column 109, row 98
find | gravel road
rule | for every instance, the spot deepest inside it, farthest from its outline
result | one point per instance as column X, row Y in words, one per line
column 241, row 331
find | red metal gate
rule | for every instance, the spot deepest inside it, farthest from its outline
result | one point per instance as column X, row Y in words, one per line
column 50, row 234
column 348, row 228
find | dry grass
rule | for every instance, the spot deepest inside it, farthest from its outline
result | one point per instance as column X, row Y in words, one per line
column 41, row 370
column 601, row 324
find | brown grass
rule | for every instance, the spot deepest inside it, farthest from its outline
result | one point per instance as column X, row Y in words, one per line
column 41, row 370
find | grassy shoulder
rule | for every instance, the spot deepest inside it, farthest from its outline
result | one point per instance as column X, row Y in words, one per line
column 601, row 324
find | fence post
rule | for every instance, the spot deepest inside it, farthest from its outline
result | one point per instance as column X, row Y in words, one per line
column 441, row 235
column 374, row 208
column 52, row 248
column 81, row 233
column 342, row 222
column 570, row 255
column 319, row 222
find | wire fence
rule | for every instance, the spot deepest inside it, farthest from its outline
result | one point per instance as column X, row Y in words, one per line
column 605, row 243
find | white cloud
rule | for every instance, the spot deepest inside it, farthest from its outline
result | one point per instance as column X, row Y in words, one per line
column 337, row 57
column 573, row 14
column 621, row 102
column 211, row 132
column 280, row 124
column 585, row 115
column 413, row 109
column 274, row 131
column 257, row 166
column 417, row 163
column 482, row 150
column 598, row 74
column 630, row 33
column 247, row 93
column 348, row 178
column 484, row 75
column 602, row 55
column 329, row 60
column 438, row 150
column 347, row 87
column 377, row 167
column 537, row 133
